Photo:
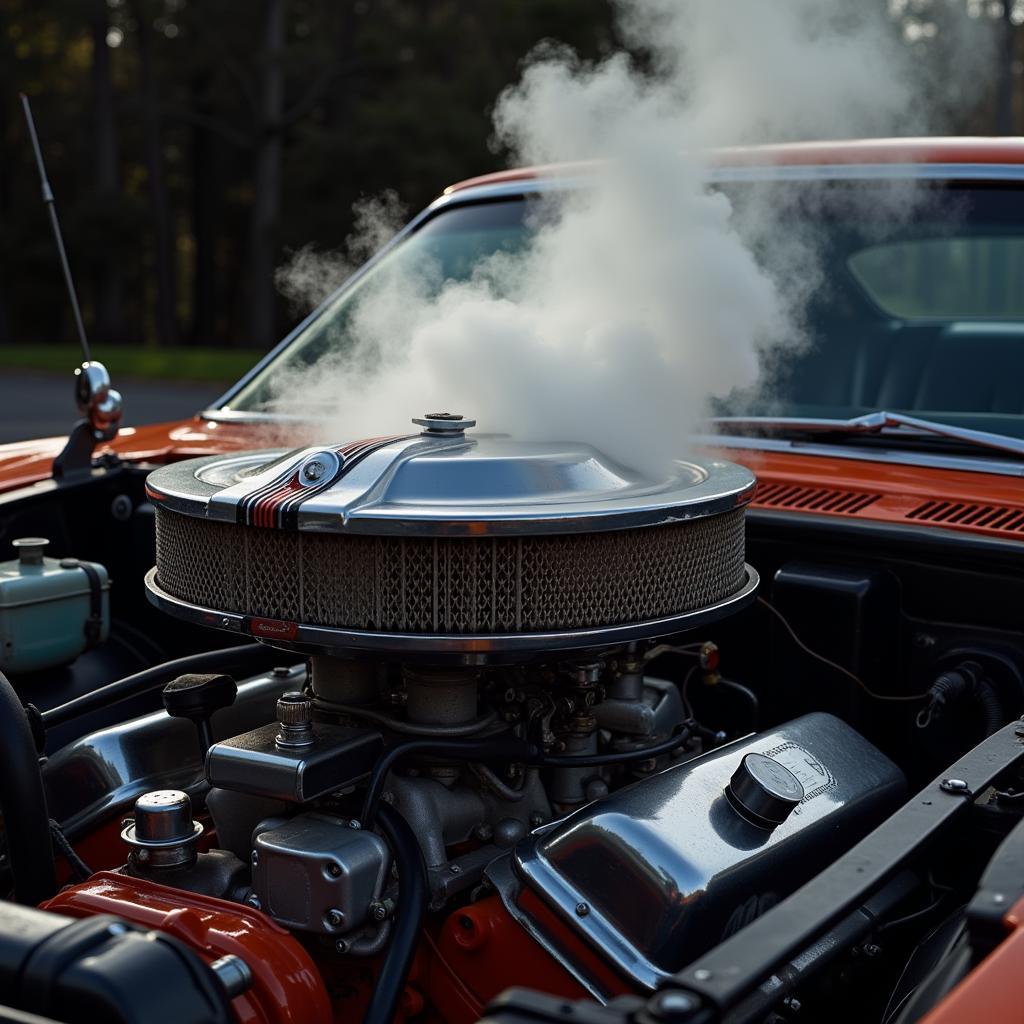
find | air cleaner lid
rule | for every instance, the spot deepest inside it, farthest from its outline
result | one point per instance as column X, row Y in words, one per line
column 442, row 480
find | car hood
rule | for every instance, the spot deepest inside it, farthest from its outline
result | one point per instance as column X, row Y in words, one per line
column 27, row 462
column 818, row 485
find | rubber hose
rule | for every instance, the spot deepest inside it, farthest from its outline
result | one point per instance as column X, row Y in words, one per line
column 991, row 708
column 494, row 748
column 412, row 906
column 245, row 658
column 23, row 804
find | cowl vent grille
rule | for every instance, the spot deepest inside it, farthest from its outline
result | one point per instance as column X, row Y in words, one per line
column 813, row 499
column 958, row 513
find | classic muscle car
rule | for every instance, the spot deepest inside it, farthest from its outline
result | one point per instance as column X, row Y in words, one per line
column 442, row 724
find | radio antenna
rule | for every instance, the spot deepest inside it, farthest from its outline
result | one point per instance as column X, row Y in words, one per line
column 51, row 205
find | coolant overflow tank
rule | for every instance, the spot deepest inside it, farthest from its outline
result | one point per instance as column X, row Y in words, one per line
column 51, row 609
column 657, row 873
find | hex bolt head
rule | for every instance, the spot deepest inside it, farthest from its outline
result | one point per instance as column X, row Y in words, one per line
column 335, row 918
column 378, row 911
column 582, row 909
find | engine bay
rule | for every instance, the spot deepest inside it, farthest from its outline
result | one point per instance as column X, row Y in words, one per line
column 518, row 718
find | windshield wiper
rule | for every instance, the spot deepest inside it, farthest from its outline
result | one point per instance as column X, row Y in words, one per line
column 870, row 423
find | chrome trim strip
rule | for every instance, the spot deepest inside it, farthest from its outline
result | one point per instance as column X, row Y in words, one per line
column 924, row 460
column 478, row 648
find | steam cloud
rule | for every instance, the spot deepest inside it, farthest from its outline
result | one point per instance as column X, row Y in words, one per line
column 639, row 297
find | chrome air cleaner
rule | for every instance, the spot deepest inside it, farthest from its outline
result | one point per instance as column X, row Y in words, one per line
column 447, row 543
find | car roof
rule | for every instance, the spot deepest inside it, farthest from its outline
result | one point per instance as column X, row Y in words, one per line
column 950, row 151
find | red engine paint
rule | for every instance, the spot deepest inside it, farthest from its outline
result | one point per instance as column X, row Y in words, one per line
column 286, row 988
column 481, row 950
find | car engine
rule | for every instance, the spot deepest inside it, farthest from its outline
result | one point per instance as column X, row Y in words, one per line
column 466, row 770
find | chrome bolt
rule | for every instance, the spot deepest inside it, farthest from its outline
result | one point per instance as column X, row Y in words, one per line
column 582, row 909
column 955, row 786
column 455, row 869
column 341, row 946
column 225, row 622
column 378, row 911
column 355, row 823
column 335, row 918
column 702, row 974
column 313, row 470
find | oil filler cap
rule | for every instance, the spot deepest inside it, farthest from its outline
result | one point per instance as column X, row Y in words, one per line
column 764, row 791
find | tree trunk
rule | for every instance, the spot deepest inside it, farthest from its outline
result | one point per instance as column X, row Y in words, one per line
column 108, row 281
column 267, row 179
column 1006, row 77
column 163, row 232
column 207, row 188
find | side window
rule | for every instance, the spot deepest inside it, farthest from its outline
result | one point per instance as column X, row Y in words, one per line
column 978, row 276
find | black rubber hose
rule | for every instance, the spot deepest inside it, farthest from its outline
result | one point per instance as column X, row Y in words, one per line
column 991, row 708
column 243, row 658
column 412, row 905
column 494, row 748
column 23, row 804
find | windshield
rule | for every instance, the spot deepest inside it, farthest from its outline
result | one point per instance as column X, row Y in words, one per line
column 924, row 316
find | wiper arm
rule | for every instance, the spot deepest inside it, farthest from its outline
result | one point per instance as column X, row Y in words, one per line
column 871, row 423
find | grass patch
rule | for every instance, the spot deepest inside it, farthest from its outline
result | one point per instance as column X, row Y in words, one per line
column 195, row 364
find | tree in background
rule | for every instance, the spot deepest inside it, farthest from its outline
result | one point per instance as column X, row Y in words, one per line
column 192, row 143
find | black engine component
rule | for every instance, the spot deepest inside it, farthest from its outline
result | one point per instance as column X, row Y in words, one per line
column 104, row 969
column 22, row 800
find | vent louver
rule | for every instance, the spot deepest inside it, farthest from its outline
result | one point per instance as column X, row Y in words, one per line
column 813, row 499
column 958, row 513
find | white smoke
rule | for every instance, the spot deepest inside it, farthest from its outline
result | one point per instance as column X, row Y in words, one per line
column 640, row 297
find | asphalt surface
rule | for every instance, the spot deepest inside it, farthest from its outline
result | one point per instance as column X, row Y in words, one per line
column 43, row 405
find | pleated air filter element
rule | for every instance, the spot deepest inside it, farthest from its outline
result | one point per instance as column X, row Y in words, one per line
column 443, row 542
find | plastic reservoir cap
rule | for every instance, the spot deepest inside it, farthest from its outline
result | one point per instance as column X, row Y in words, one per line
column 764, row 791
column 30, row 549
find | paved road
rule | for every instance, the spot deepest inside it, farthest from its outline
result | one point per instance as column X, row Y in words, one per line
column 43, row 405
